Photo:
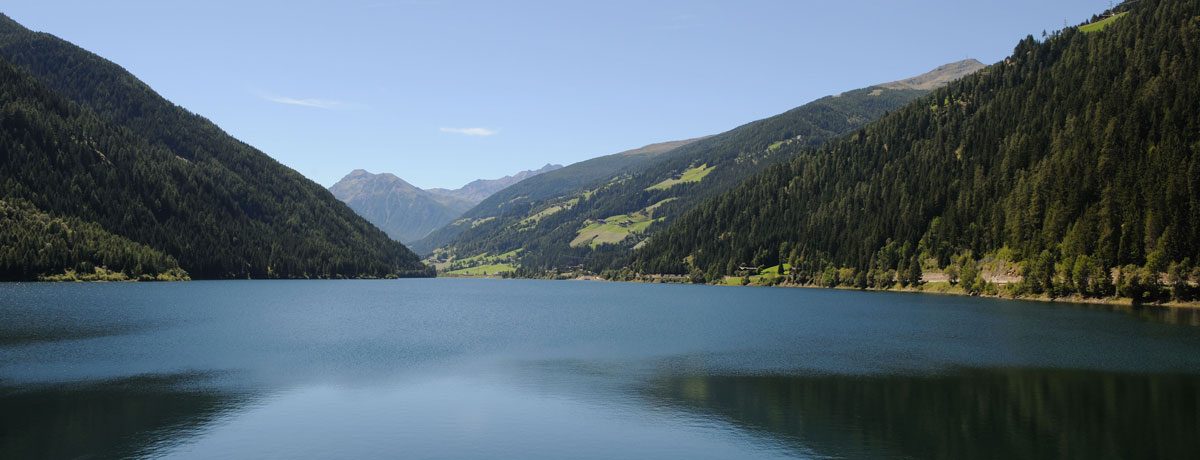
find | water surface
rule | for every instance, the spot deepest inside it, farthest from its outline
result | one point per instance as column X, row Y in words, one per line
column 456, row 368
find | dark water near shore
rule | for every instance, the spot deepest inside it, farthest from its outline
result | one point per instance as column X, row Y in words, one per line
column 458, row 368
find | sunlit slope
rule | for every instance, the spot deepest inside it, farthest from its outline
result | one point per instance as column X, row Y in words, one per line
column 1077, row 160
column 607, row 212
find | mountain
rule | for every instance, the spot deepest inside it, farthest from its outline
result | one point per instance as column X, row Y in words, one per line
column 478, row 190
column 400, row 209
column 595, row 225
column 548, row 185
column 406, row 212
column 87, row 146
column 1076, row 161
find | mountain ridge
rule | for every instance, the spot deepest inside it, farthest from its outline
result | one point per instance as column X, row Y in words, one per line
column 407, row 212
column 551, row 184
column 938, row 77
column 479, row 189
column 86, row 140
column 596, row 223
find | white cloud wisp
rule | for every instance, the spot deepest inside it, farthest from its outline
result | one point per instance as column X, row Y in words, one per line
column 477, row 132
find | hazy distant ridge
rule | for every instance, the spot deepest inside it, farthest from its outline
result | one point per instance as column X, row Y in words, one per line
column 479, row 189
column 407, row 212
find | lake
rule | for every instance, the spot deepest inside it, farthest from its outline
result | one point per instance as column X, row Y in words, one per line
column 470, row 368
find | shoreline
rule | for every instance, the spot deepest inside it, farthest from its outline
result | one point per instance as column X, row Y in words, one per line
column 1108, row 301
column 1124, row 302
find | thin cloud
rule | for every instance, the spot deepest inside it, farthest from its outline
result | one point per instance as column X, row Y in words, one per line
column 327, row 104
column 314, row 103
column 471, row 131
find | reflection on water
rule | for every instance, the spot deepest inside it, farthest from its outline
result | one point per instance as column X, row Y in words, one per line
column 535, row 369
column 1186, row 316
column 1178, row 316
column 114, row 419
column 23, row 334
column 546, row 411
column 1003, row 414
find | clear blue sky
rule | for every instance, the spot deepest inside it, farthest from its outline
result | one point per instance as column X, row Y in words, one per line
column 441, row 92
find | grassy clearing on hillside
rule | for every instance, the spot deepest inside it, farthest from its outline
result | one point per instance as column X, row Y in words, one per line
column 649, row 210
column 510, row 254
column 611, row 230
column 1101, row 24
column 483, row 270
column 733, row 281
column 482, row 221
column 554, row 209
column 695, row 174
column 768, row 276
column 615, row 229
column 486, row 258
column 478, row 265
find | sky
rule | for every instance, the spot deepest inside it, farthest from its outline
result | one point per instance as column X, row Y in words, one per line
column 442, row 92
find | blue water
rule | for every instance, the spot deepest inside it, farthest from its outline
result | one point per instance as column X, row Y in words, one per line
column 461, row 368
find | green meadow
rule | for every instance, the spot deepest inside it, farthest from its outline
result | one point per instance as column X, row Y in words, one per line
column 695, row 174
column 483, row 270
column 616, row 229
column 1101, row 24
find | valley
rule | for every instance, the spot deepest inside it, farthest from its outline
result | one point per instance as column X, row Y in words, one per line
column 767, row 230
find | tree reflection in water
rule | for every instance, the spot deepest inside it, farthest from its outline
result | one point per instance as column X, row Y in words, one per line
column 122, row 418
column 1003, row 414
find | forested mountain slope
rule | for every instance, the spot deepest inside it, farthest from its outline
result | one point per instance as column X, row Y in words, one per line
column 82, row 139
column 1077, row 158
column 595, row 226
column 520, row 197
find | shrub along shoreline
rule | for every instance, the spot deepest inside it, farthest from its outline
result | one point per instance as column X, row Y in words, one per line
column 1131, row 286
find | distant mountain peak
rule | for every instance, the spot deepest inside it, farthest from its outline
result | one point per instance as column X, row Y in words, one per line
column 358, row 177
column 938, row 77
column 479, row 189
column 407, row 212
